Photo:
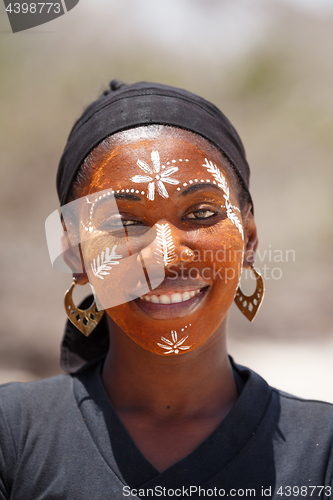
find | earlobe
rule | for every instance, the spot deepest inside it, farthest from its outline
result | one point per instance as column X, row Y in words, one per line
column 250, row 239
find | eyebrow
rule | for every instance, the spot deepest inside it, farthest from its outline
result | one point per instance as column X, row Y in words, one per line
column 126, row 196
column 117, row 196
column 196, row 187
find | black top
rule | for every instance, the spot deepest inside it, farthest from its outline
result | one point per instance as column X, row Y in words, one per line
column 61, row 439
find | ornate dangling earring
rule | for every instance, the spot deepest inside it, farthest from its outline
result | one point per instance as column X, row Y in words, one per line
column 84, row 320
column 249, row 305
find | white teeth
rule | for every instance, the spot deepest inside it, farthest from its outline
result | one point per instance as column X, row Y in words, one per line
column 173, row 299
column 176, row 297
column 164, row 299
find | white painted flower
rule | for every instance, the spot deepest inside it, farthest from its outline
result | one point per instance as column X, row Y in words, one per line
column 102, row 265
column 156, row 176
column 174, row 346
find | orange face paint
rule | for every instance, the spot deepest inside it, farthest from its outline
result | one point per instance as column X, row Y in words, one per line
column 177, row 186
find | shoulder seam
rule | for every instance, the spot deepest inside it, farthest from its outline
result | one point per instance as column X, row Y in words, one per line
column 301, row 400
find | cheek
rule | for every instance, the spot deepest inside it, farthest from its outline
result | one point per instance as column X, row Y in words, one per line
column 114, row 274
column 218, row 259
column 221, row 264
column 219, row 249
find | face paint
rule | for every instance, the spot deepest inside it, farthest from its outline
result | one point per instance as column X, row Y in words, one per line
column 222, row 183
column 158, row 177
column 103, row 264
column 165, row 251
column 233, row 217
column 174, row 345
column 195, row 219
column 220, row 179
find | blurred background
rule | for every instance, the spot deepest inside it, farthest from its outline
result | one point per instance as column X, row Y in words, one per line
column 268, row 65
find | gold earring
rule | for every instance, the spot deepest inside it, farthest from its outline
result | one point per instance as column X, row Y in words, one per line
column 249, row 305
column 85, row 320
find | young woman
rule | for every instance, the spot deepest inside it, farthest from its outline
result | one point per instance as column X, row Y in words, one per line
column 157, row 216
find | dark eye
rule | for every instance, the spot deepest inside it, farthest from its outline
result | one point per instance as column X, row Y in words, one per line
column 200, row 214
column 129, row 222
column 116, row 223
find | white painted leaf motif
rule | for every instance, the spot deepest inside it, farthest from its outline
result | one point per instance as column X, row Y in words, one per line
column 165, row 347
column 141, row 178
column 233, row 217
column 166, row 340
column 155, row 158
column 144, row 166
column 222, row 183
column 103, row 264
column 170, row 181
column 161, row 189
column 169, row 171
column 151, row 191
column 220, row 179
column 180, row 342
column 165, row 251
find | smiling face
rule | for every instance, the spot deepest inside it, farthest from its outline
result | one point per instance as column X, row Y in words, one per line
column 176, row 202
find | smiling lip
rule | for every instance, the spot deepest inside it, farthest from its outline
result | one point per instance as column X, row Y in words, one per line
column 173, row 298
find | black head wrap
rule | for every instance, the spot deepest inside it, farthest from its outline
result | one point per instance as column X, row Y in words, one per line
column 128, row 106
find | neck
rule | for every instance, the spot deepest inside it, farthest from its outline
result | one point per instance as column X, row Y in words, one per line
column 195, row 384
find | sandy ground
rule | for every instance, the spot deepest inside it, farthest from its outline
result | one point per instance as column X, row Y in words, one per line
column 299, row 367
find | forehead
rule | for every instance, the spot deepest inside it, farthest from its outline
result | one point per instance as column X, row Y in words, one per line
column 137, row 158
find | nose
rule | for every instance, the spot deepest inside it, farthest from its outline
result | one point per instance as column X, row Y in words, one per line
column 168, row 247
